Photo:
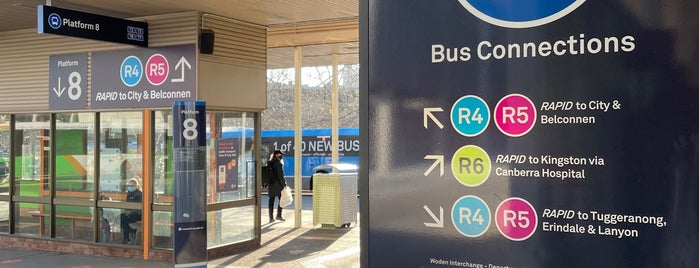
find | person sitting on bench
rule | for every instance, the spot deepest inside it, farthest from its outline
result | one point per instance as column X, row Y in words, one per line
column 129, row 216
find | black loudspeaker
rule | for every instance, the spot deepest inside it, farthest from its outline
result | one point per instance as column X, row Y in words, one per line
column 206, row 41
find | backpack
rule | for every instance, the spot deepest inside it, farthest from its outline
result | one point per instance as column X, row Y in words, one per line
column 266, row 175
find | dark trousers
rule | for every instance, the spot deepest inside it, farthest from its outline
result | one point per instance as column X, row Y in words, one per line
column 126, row 230
column 271, row 206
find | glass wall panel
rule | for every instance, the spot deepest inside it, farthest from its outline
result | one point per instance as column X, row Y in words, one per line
column 277, row 129
column 75, row 154
column 121, row 148
column 111, row 230
column 74, row 223
column 231, row 158
column 162, row 230
column 32, row 219
column 121, row 173
column 4, row 155
column 162, row 158
column 4, row 217
column 32, row 156
column 231, row 225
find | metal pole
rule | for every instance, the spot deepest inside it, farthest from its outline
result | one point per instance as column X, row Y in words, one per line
column 297, row 137
column 334, row 121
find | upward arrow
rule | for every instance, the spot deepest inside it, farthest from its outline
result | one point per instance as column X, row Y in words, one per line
column 427, row 113
column 439, row 161
column 59, row 91
column 181, row 63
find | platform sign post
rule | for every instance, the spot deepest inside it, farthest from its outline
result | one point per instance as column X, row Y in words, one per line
column 529, row 133
column 189, row 143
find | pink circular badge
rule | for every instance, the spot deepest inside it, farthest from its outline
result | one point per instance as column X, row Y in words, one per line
column 515, row 115
column 157, row 69
column 516, row 219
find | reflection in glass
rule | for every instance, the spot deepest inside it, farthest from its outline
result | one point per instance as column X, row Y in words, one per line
column 74, row 223
column 110, row 231
column 231, row 157
column 4, row 217
column 4, row 154
column 162, row 230
column 32, row 143
column 162, row 158
column 75, row 149
column 121, row 149
column 231, row 225
column 31, row 219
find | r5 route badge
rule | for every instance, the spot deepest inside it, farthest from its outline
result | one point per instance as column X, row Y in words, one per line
column 520, row 13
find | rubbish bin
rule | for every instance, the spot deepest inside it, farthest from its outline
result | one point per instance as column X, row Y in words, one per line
column 335, row 195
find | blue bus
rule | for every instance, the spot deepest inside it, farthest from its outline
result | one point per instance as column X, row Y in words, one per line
column 316, row 148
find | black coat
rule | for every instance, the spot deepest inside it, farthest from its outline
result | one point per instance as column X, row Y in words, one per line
column 277, row 183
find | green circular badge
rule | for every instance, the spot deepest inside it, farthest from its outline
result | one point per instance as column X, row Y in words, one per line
column 470, row 165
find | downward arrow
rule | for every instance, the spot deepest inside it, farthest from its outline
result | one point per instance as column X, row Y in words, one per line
column 427, row 113
column 60, row 90
column 438, row 222
column 439, row 161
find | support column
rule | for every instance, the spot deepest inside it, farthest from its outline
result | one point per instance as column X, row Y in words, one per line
column 334, row 110
column 298, row 56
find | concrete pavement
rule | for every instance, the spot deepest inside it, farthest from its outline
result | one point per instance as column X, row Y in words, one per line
column 282, row 245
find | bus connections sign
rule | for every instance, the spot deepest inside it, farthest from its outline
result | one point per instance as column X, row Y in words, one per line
column 529, row 133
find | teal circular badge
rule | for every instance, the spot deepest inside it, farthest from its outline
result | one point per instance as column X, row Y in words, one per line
column 470, row 216
column 470, row 115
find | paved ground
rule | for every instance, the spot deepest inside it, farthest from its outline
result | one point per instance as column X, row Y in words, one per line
column 282, row 246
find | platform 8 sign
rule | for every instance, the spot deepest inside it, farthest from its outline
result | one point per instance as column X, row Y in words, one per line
column 531, row 134
column 68, row 81
column 143, row 78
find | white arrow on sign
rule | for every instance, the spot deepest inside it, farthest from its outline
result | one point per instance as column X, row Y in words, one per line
column 428, row 113
column 182, row 63
column 438, row 222
column 439, row 161
column 60, row 90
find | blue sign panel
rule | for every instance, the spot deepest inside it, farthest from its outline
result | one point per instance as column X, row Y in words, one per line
column 190, row 170
column 529, row 134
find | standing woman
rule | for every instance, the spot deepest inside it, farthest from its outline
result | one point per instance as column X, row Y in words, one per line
column 276, row 184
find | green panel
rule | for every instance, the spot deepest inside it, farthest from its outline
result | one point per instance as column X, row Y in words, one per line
column 71, row 142
column 67, row 177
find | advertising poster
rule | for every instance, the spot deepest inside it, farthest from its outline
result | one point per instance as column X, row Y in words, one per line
column 532, row 133
column 227, row 165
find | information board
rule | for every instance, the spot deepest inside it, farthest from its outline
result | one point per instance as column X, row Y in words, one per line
column 531, row 134
column 60, row 21
column 190, row 170
column 144, row 77
column 68, row 81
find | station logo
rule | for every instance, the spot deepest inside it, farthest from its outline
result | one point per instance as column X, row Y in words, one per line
column 520, row 13
column 55, row 21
